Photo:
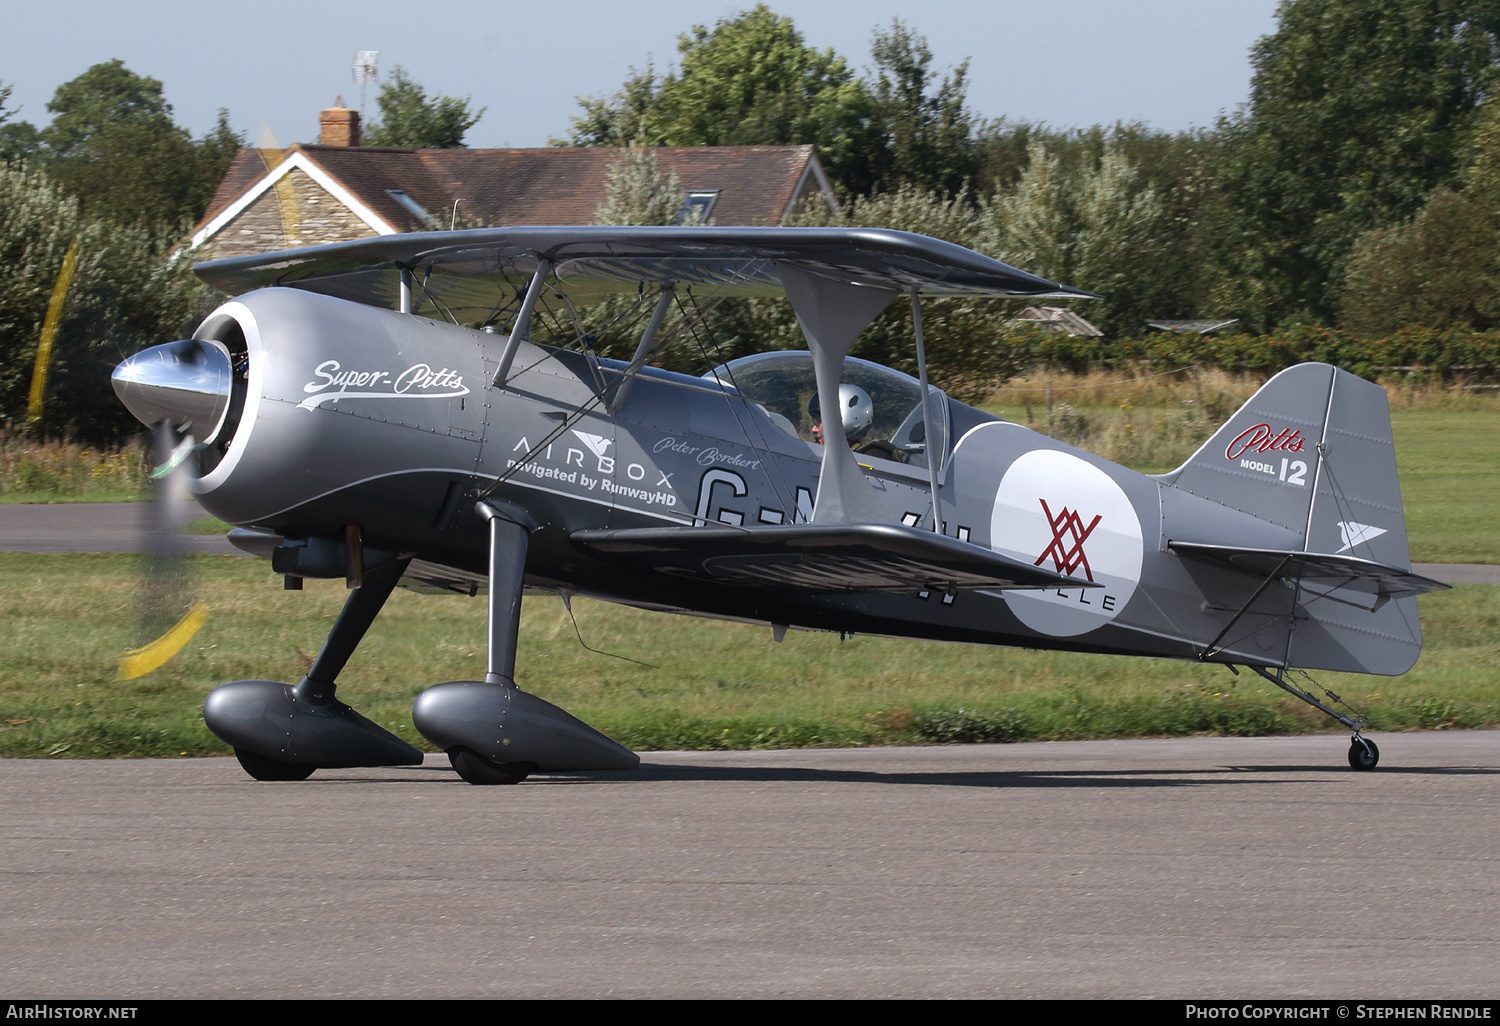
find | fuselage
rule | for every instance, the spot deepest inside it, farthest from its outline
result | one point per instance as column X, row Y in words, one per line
column 346, row 414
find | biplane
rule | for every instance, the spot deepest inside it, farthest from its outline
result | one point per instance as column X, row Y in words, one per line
column 379, row 411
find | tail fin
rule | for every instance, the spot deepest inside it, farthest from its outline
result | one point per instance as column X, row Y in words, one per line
column 1321, row 439
column 1312, row 452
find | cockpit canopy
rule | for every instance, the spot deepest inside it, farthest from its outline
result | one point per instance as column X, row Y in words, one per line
column 784, row 383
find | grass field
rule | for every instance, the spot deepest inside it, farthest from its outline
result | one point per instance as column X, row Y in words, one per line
column 65, row 619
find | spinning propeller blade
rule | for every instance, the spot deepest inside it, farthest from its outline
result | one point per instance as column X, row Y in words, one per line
column 180, row 389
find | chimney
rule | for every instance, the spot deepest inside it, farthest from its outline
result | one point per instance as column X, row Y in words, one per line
column 338, row 125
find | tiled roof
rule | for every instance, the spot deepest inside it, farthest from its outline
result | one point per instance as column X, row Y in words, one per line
column 558, row 185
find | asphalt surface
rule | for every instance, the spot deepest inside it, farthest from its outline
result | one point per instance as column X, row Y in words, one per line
column 118, row 527
column 1191, row 868
column 76, row 527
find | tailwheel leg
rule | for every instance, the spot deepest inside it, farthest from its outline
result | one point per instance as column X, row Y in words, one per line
column 493, row 732
column 1363, row 753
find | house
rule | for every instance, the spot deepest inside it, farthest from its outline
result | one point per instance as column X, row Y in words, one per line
column 338, row 190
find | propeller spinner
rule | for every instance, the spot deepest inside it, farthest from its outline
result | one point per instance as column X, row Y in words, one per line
column 186, row 384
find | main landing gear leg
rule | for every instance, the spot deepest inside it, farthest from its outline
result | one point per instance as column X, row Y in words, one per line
column 282, row 732
column 1363, row 753
column 493, row 732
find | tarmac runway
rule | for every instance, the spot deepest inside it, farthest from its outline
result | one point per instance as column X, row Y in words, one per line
column 1192, row 868
column 78, row 527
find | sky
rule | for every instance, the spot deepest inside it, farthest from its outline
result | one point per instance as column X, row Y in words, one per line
column 274, row 64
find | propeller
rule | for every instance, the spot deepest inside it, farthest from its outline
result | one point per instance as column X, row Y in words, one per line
column 181, row 390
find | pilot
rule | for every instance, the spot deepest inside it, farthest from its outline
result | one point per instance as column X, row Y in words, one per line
column 857, row 411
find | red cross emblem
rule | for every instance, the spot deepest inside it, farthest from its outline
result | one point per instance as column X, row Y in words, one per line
column 1068, row 536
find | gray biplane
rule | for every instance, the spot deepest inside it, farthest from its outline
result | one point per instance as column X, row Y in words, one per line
column 377, row 410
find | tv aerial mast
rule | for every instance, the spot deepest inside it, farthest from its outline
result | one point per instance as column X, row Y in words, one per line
column 365, row 70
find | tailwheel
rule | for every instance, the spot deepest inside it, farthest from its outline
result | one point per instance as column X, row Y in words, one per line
column 1363, row 754
column 476, row 769
column 263, row 768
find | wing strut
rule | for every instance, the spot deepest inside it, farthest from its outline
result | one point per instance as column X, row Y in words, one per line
column 522, row 330
column 832, row 314
column 648, row 338
column 405, row 304
column 928, row 420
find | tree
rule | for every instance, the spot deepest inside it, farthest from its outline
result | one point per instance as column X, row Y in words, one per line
column 638, row 191
column 1101, row 228
column 411, row 121
column 1358, row 110
column 1441, row 269
column 618, row 120
column 1031, row 224
column 105, row 96
column 113, row 144
column 748, row 81
column 125, row 295
column 926, row 138
column 18, row 139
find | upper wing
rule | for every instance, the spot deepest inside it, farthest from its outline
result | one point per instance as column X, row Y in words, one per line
column 820, row 558
column 472, row 272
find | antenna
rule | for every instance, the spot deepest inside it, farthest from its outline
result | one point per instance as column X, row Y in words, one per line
column 365, row 71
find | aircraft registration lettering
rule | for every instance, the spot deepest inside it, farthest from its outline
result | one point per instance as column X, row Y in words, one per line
column 1060, row 512
column 706, row 486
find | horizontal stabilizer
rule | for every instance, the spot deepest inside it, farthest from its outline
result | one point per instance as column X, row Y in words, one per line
column 1316, row 567
column 820, row 558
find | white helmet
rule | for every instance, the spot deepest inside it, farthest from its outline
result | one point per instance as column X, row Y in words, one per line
column 856, row 411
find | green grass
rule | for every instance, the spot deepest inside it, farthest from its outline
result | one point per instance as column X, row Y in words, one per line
column 1450, row 483
column 99, row 495
column 64, row 471
column 206, row 525
column 65, row 619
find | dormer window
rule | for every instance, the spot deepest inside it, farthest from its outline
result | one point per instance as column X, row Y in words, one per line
column 697, row 207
